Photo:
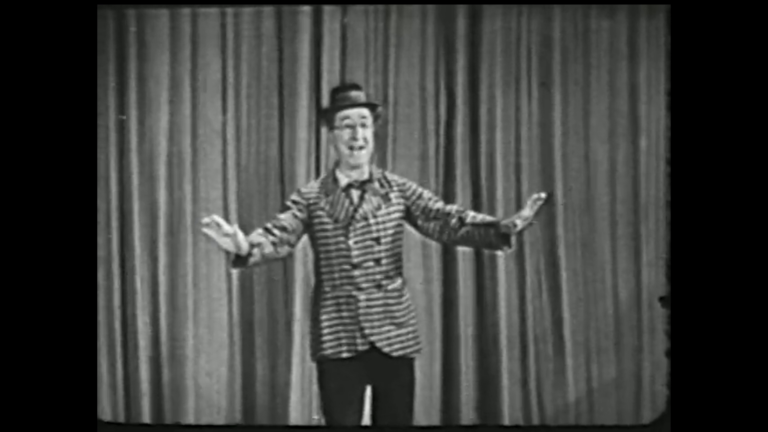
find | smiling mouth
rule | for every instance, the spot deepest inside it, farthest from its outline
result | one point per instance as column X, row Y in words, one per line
column 356, row 148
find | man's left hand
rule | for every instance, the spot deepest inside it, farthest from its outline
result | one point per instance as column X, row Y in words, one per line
column 525, row 217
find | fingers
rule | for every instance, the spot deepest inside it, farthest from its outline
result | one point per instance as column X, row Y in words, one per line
column 222, row 224
column 537, row 199
column 214, row 222
column 219, row 220
column 527, row 215
column 211, row 233
column 535, row 202
column 208, row 221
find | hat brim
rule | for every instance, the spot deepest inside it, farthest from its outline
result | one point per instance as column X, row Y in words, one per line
column 329, row 111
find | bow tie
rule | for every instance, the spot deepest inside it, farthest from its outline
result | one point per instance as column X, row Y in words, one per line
column 358, row 184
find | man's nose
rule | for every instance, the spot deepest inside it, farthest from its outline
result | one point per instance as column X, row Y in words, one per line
column 356, row 132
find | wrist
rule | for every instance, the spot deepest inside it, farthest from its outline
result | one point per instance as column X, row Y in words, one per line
column 243, row 250
column 517, row 224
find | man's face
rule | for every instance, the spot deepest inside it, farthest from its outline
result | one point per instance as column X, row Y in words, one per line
column 353, row 137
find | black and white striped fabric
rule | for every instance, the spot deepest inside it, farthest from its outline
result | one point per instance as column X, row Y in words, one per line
column 361, row 296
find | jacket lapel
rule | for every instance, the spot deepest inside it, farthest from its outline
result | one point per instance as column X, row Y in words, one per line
column 333, row 200
column 375, row 197
column 341, row 210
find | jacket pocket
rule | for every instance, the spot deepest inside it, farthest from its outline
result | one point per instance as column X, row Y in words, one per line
column 392, row 285
column 400, row 308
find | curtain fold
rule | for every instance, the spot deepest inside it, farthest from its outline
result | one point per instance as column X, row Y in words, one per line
column 213, row 110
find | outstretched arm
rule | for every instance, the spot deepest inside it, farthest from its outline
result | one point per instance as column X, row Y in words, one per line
column 454, row 225
column 277, row 238
column 451, row 224
column 274, row 240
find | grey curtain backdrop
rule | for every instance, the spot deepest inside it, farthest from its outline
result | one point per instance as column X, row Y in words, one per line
column 213, row 110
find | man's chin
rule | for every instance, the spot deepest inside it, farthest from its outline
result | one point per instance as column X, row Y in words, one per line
column 356, row 162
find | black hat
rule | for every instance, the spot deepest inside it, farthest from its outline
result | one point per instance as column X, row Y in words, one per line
column 346, row 96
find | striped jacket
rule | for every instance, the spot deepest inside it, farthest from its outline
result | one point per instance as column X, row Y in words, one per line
column 360, row 295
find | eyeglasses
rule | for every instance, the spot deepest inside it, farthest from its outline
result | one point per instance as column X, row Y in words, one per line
column 350, row 127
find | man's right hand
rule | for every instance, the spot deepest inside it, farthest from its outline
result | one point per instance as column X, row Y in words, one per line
column 228, row 237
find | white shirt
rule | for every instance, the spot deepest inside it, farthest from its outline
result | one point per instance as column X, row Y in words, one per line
column 343, row 179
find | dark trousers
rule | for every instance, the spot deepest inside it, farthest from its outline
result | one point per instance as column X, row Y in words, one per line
column 342, row 385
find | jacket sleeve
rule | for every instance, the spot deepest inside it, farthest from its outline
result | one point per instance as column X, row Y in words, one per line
column 277, row 238
column 451, row 224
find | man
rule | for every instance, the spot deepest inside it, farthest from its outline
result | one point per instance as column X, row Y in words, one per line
column 364, row 328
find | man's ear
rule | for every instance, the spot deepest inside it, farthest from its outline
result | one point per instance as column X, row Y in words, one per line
column 378, row 118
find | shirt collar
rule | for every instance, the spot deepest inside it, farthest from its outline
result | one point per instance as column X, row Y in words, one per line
column 343, row 179
column 336, row 180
